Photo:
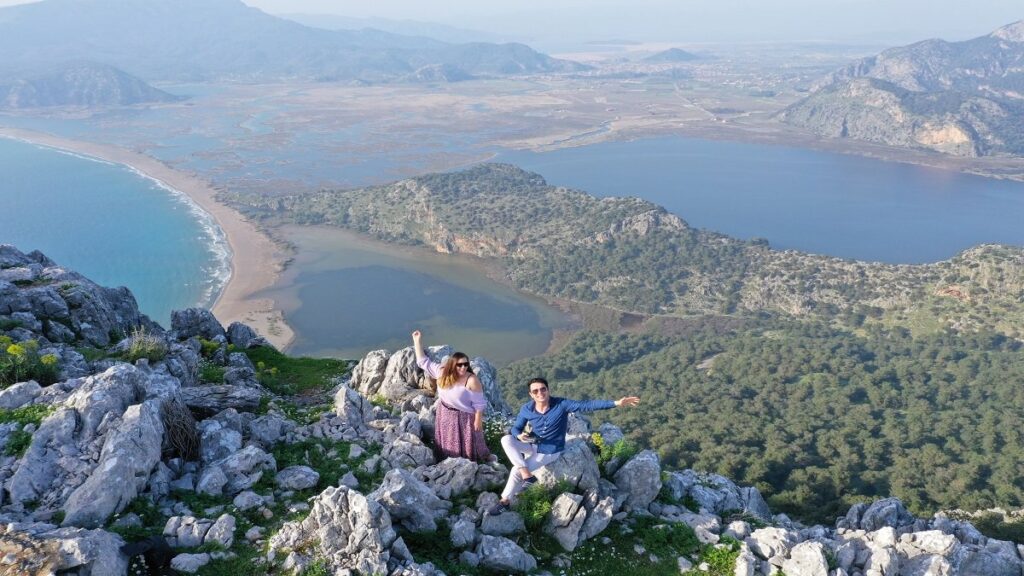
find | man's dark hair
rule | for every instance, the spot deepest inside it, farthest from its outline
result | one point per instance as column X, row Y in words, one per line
column 537, row 381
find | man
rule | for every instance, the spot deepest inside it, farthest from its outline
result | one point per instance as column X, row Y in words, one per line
column 541, row 444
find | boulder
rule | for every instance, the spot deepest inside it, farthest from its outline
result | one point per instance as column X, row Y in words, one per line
column 368, row 374
column 806, row 559
column 241, row 470
column 217, row 441
column 209, row 400
column 242, row 336
column 566, row 520
column 129, row 455
column 42, row 549
column 355, row 410
column 347, row 530
column 454, row 477
column 269, row 429
column 297, row 478
column 196, row 322
column 222, row 532
column 190, row 563
column 640, row 480
column 18, row 395
column 576, row 466
column 409, row 501
column 503, row 555
column 407, row 451
column 885, row 512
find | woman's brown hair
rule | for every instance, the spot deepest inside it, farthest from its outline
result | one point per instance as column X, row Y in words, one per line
column 449, row 373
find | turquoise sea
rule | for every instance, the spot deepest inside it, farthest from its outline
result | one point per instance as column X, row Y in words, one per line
column 112, row 224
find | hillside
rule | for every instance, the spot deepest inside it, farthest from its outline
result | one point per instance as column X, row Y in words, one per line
column 630, row 255
column 963, row 98
column 197, row 40
column 198, row 449
column 81, row 84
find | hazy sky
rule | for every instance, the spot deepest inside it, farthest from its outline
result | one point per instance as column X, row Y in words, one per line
column 886, row 21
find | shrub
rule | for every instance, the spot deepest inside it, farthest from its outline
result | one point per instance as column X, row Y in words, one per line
column 18, row 442
column 721, row 557
column 145, row 345
column 21, row 361
column 211, row 373
column 534, row 503
column 622, row 449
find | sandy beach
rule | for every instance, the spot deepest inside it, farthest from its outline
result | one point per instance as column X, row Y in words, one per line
column 255, row 260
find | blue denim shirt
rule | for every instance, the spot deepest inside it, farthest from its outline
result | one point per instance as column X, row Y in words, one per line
column 550, row 426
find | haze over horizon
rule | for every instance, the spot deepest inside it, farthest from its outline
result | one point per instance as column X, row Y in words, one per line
column 574, row 22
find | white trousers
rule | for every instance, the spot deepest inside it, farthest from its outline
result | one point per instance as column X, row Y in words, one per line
column 522, row 455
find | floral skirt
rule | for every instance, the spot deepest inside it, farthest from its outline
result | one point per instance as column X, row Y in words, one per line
column 454, row 436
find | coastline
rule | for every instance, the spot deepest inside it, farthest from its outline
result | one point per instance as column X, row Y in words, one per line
column 255, row 260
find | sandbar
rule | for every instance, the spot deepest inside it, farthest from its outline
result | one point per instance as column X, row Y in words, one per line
column 256, row 261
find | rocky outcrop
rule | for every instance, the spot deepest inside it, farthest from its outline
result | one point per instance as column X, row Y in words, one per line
column 40, row 548
column 344, row 527
column 65, row 307
column 396, row 379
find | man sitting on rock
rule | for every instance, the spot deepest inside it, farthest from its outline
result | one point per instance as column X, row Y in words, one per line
column 538, row 436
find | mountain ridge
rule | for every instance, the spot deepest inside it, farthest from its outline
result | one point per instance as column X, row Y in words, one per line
column 962, row 98
column 195, row 40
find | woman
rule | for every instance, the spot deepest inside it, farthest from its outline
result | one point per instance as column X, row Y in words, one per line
column 459, row 422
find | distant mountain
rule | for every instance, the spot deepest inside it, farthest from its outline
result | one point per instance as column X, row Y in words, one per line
column 403, row 27
column 80, row 84
column 670, row 56
column 196, row 40
column 964, row 98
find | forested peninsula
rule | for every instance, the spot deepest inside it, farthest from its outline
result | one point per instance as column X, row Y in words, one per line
column 819, row 380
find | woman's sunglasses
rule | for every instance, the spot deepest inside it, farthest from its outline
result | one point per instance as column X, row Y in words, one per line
column 462, row 364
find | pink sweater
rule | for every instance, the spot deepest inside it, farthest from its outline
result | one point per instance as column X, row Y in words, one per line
column 457, row 396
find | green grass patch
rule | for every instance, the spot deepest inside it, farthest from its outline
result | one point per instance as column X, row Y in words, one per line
column 666, row 541
column 32, row 414
column 534, row 503
column 436, row 548
column 284, row 374
column 721, row 558
column 211, row 373
column 316, row 453
column 18, row 442
column 152, row 521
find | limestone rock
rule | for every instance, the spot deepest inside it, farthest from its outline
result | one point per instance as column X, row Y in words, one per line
column 409, row 501
column 355, row 410
column 576, row 466
column 199, row 322
column 18, row 395
column 640, row 480
column 567, row 517
column 209, row 400
column 504, row 555
column 190, row 563
column 368, row 374
column 453, row 477
column 344, row 528
column 297, row 478
column 242, row 336
column 241, row 470
column 129, row 455
column 806, row 559
column 222, row 532
column 41, row 549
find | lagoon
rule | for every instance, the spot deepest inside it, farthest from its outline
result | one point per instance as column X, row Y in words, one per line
column 345, row 295
column 809, row 200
